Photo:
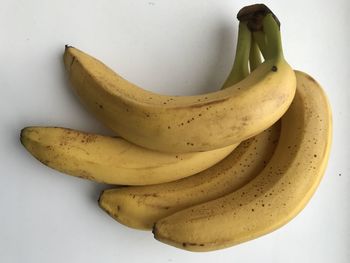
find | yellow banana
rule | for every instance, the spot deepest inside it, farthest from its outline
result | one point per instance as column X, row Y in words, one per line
column 276, row 195
column 185, row 123
column 117, row 161
column 112, row 160
column 140, row 207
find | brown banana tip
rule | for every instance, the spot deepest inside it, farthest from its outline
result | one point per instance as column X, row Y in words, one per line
column 100, row 196
column 254, row 15
column 21, row 135
column 154, row 230
column 67, row 46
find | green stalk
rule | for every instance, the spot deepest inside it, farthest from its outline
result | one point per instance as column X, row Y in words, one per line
column 260, row 38
column 240, row 67
column 273, row 47
column 254, row 55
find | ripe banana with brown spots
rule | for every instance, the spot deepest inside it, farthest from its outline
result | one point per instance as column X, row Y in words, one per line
column 112, row 160
column 117, row 161
column 140, row 207
column 276, row 195
column 185, row 123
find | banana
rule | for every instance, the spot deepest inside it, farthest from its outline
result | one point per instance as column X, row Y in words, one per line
column 117, row 161
column 140, row 207
column 185, row 123
column 112, row 160
column 276, row 195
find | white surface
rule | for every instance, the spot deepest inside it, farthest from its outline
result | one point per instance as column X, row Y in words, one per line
column 173, row 47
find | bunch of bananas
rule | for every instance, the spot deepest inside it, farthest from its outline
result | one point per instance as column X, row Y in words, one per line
column 203, row 172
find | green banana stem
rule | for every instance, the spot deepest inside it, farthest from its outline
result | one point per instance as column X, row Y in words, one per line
column 249, row 46
column 259, row 38
column 254, row 55
column 273, row 48
column 240, row 67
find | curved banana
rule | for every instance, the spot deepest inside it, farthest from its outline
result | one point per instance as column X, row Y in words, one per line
column 112, row 160
column 115, row 160
column 185, row 123
column 140, row 207
column 276, row 195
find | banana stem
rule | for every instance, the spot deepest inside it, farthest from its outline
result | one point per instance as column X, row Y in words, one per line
column 273, row 47
column 254, row 56
column 267, row 41
column 260, row 39
column 240, row 67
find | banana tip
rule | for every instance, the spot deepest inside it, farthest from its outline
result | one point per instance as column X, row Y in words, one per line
column 154, row 230
column 22, row 135
column 100, row 197
column 68, row 57
column 67, row 46
column 101, row 200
